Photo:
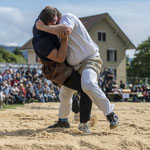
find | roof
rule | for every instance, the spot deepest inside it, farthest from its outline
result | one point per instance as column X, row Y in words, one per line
column 89, row 22
column 28, row 45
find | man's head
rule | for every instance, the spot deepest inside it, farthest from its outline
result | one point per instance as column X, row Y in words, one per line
column 48, row 15
column 58, row 15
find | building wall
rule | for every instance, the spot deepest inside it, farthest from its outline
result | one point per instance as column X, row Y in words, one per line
column 112, row 41
column 31, row 57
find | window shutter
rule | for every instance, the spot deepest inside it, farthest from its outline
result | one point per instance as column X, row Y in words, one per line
column 104, row 36
column 108, row 58
column 115, row 55
column 99, row 36
column 115, row 74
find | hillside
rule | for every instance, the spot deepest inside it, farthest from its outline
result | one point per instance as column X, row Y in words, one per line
column 7, row 56
column 12, row 48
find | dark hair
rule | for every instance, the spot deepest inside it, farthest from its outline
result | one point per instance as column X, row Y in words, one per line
column 47, row 14
column 58, row 12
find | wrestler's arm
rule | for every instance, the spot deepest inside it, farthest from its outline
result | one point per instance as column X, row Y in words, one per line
column 59, row 29
column 60, row 55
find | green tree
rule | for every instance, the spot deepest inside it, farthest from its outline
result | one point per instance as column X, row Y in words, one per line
column 18, row 52
column 127, row 62
column 139, row 67
column 6, row 56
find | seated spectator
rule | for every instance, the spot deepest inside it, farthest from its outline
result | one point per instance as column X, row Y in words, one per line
column 30, row 94
column 117, row 96
column 1, row 97
column 56, row 91
column 10, row 69
column 6, row 92
column 3, row 84
column 14, row 80
column 48, row 95
column 115, row 89
column 28, row 72
column 22, row 71
column 22, row 94
column 146, row 93
column 29, row 76
column 40, row 93
column 7, row 75
column 14, row 94
column 131, row 87
column 137, row 87
column 122, row 85
column 18, row 76
column 27, row 81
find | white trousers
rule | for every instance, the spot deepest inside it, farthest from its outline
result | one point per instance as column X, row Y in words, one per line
column 65, row 97
column 90, row 87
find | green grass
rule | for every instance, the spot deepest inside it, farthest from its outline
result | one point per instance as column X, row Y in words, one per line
column 13, row 106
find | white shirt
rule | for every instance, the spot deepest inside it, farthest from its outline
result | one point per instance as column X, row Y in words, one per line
column 80, row 45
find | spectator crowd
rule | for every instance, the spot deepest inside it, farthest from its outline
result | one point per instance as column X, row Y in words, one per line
column 23, row 86
column 140, row 91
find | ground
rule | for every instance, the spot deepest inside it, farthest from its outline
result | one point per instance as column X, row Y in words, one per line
column 25, row 128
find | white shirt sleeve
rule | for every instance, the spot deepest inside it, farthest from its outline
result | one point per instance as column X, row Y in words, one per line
column 68, row 20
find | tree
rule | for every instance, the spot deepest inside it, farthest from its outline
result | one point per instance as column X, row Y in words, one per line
column 6, row 56
column 18, row 52
column 139, row 66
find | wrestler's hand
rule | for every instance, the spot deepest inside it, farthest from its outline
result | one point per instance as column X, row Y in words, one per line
column 63, row 30
column 63, row 37
column 40, row 24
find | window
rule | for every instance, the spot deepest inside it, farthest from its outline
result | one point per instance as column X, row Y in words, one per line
column 101, row 36
column 111, row 55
